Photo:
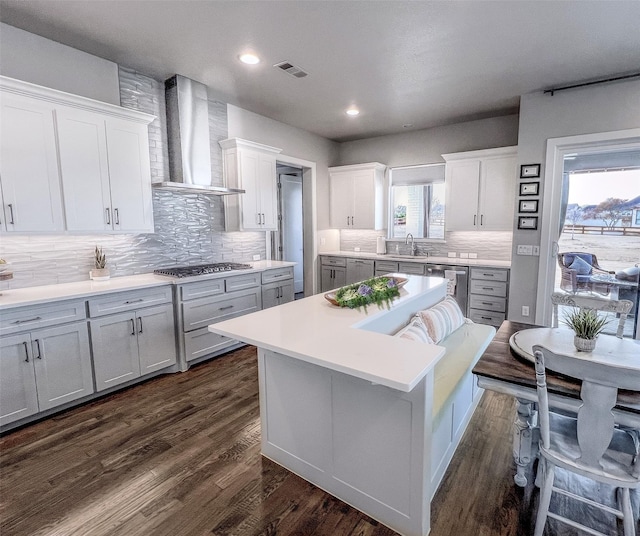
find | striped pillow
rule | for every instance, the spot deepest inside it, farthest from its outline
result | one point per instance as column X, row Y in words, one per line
column 415, row 330
column 442, row 319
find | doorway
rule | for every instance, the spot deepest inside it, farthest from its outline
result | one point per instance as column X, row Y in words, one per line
column 576, row 168
column 289, row 239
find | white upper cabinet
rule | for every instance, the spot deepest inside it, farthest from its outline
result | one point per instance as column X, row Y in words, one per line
column 251, row 167
column 99, row 164
column 106, row 178
column 480, row 190
column 357, row 196
column 28, row 166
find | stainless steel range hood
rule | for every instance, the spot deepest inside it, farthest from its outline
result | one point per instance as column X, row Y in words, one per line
column 188, row 136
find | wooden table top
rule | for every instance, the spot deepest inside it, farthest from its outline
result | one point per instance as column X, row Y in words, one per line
column 501, row 363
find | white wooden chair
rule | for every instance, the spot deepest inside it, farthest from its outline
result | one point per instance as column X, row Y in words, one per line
column 595, row 303
column 590, row 445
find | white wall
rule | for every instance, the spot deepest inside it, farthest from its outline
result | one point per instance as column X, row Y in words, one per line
column 293, row 142
column 594, row 109
column 32, row 58
column 427, row 146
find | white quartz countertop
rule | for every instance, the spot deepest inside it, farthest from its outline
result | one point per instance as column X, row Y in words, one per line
column 317, row 332
column 419, row 259
column 81, row 289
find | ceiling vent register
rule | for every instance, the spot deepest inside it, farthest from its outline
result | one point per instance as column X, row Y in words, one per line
column 291, row 69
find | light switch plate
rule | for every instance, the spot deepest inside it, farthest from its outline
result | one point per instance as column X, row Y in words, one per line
column 473, row 255
column 451, row 254
column 256, row 257
column 464, row 255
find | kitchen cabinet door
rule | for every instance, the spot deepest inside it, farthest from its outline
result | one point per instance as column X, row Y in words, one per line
column 364, row 200
column 62, row 361
column 497, row 194
column 341, row 190
column 129, row 175
column 32, row 199
column 156, row 338
column 462, row 190
column 85, row 170
column 277, row 293
column 333, row 278
column 115, row 349
column 358, row 270
column 18, row 395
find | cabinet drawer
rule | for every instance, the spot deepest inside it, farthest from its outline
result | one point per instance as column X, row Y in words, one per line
column 127, row 301
column 32, row 317
column 488, row 303
column 277, row 275
column 411, row 268
column 386, row 267
column 202, row 342
column 489, row 274
column 210, row 287
column 334, row 261
column 240, row 282
column 484, row 317
column 204, row 311
column 488, row 288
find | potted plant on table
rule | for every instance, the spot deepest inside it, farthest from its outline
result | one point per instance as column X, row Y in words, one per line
column 587, row 325
column 100, row 272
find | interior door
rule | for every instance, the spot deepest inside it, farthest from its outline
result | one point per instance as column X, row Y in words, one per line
column 291, row 226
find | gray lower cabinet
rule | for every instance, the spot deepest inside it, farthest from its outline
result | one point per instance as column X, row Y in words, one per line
column 359, row 270
column 43, row 369
column 385, row 267
column 333, row 273
column 488, row 294
column 277, row 287
column 135, row 342
column 213, row 300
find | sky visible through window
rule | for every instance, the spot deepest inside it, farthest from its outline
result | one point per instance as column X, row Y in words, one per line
column 593, row 188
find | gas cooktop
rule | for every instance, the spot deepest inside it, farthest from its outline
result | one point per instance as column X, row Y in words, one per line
column 201, row 269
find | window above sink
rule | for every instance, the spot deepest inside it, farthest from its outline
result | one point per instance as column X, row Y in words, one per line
column 417, row 202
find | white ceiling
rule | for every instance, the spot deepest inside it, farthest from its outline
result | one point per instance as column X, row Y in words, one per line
column 424, row 63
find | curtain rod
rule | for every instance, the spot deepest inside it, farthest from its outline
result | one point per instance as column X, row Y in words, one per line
column 615, row 79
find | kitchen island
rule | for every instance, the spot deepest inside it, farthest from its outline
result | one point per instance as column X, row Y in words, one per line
column 352, row 409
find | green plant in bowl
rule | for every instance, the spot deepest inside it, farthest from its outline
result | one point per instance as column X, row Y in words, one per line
column 586, row 324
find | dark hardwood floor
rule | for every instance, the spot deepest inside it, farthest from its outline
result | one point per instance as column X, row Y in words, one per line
column 179, row 455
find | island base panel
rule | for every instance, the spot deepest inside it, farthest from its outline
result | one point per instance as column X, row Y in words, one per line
column 364, row 443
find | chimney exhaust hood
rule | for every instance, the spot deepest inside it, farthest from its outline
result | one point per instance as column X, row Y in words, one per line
column 188, row 136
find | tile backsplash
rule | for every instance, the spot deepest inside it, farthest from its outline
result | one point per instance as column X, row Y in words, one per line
column 488, row 245
column 189, row 227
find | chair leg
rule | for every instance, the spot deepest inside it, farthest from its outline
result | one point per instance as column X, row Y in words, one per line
column 625, row 505
column 548, row 471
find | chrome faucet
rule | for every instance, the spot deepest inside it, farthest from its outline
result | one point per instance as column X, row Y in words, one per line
column 414, row 248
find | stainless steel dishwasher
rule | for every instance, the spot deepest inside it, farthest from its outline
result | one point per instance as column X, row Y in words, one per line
column 462, row 281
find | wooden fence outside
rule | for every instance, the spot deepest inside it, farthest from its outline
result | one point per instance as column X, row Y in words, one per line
column 602, row 230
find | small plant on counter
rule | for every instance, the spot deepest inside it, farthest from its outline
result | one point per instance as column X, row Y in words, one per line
column 378, row 290
column 100, row 259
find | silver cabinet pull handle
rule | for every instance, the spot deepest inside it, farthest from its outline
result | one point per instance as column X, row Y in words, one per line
column 34, row 319
column 39, row 356
column 488, row 275
column 134, row 301
column 11, row 212
column 133, row 326
column 481, row 219
column 116, row 215
column 108, row 213
column 140, row 324
column 474, row 219
column 225, row 308
column 26, row 351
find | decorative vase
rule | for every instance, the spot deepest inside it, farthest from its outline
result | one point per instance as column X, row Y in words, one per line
column 99, row 274
column 584, row 345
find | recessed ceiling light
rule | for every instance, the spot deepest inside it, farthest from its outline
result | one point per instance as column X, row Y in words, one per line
column 249, row 59
column 353, row 112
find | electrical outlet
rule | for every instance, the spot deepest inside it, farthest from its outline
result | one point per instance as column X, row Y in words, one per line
column 473, row 255
column 356, row 249
column 451, row 254
column 536, row 251
column 524, row 250
column 256, row 257
column 525, row 310
column 323, row 241
column 464, row 255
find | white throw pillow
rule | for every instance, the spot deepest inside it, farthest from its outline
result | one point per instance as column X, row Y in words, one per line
column 415, row 330
column 442, row 319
